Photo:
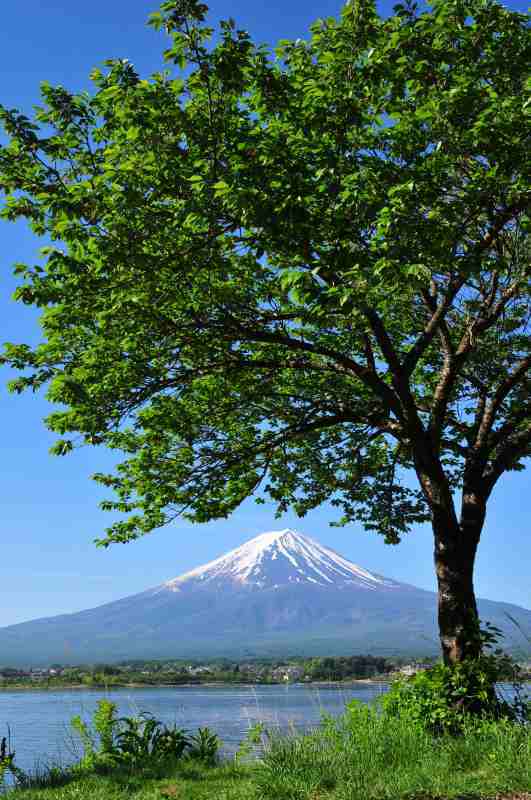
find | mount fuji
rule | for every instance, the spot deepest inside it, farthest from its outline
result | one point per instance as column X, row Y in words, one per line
column 278, row 558
column 280, row 593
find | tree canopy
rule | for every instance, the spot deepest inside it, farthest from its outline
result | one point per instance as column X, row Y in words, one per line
column 303, row 274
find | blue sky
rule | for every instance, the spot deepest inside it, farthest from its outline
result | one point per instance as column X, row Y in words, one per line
column 49, row 514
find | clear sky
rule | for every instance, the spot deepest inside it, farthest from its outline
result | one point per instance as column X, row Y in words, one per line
column 49, row 508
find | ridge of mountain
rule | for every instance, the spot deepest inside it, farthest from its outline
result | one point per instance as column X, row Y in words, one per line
column 274, row 558
column 281, row 593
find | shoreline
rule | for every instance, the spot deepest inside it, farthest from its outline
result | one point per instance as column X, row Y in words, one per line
column 208, row 685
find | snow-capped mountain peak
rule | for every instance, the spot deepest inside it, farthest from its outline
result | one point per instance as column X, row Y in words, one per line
column 279, row 558
column 277, row 594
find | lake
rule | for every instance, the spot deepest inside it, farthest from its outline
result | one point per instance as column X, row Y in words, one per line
column 39, row 720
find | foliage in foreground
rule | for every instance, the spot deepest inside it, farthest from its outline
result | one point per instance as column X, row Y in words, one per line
column 305, row 274
column 364, row 754
column 138, row 741
column 7, row 759
column 185, row 780
column 113, row 745
column 369, row 755
column 442, row 698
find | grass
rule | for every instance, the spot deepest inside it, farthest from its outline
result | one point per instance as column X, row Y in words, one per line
column 184, row 781
column 365, row 756
column 361, row 756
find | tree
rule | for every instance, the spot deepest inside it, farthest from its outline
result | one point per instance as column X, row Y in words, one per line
column 305, row 277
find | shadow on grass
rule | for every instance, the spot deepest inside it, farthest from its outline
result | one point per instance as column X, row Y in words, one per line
column 211, row 779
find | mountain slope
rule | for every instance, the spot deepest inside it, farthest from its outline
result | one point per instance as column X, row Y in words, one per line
column 279, row 593
column 277, row 558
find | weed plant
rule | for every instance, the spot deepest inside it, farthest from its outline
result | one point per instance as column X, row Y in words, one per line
column 446, row 697
column 138, row 742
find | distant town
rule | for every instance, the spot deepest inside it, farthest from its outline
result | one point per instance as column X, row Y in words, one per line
column 176, row 672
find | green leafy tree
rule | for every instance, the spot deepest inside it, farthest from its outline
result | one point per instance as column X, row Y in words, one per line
column 303, row 276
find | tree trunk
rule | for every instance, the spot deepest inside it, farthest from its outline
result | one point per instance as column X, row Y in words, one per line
column 455, row 545
column 455, row 553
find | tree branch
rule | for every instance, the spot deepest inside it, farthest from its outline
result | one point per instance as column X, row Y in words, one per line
column 442, row 328
column 499, row 224
column 365, row 375
column 510, row 427
column 456, row 284
column 453, row 366
column 399, row 377
column 383, row 339
column 501, row 393
column 369, row 353
column 419, row 348
column 514, row 449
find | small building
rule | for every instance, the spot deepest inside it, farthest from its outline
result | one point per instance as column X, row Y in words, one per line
column 287, row 673
column 411, row 669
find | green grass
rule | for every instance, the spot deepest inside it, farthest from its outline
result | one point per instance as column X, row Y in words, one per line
column 186, row 781
column 361, row 756
column 365, row 756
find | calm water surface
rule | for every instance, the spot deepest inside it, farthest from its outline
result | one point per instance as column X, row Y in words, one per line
column 40, row 730
column 39, row 720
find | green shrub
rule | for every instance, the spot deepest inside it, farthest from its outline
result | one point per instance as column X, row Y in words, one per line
column 204, row 746
column 80, row 727
column 106, row 723
column 144, row 739
column 446, row 698
column 129, row 741
column 252, row 741
column 99, row 747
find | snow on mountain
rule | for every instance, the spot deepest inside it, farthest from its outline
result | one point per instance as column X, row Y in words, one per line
column 279, row 558
column 280, row 593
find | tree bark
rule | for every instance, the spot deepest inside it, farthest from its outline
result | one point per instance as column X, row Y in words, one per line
column 455, row 545
column 455, row 553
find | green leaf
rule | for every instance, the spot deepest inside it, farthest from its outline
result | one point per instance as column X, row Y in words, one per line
column 306, row 277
